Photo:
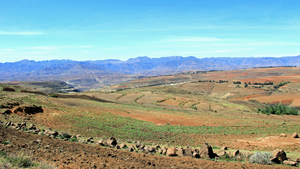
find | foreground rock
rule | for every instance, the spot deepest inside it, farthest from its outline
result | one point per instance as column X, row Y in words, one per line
column 278, row 156
column 206, row 151
column 112, row 142
column 172, row 152
column 295, row 135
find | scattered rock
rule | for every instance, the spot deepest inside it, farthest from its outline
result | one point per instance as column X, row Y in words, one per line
column 196, row 155
column 171, row 152
column 206, row 151
column 180, row 152
column 278, row 156
column 101, row 142
column 131, row 148
column 283, row 135
column 188, row 152
column 8, row 123
column 224, row 148
column 32, row 127
column 138, row 144
column 164, row 150
column 288, row 162
column 141, row 147
column 236, row 153
column 221, row 153
column 111, row 142
column 298, row 159
column 51, row 133
column 295, row 135
column 123, row 145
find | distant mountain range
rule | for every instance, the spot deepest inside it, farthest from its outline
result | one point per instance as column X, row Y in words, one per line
column 93, row 72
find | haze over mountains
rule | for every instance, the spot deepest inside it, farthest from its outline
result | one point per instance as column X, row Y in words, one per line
column 101, row 71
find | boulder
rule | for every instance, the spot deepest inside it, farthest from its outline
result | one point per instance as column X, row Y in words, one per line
column 131, row 148
column 206, row 151
column 51, row 133
column 298, row 159
column 283, row 135
column 8, row 123
column 123, row 145
column 196, row 155
column 141, row 147
column 111, row 142
column 138, row 144
column 278, row 156
column 295, row 135
column 159, row 151
column 291, row 163
column 101, row 142
column 172, row 152
column 224, row 148
column 180, row 152
column 236, row 153
column 32, row 127
column 221, row 153
column 164, row 150
column 188, row 152
column 151, row 149
column 117, row 147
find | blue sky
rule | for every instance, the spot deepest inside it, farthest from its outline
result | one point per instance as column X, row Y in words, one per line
column 111, row 29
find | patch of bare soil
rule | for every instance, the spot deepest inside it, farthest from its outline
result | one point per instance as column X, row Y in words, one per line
column 65, row 154
column 281, row 141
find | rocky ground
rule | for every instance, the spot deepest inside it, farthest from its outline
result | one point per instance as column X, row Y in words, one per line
column 66, row 154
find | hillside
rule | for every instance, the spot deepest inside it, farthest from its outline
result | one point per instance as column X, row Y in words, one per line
column 85, row 75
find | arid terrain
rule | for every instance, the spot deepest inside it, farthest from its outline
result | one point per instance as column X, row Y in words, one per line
column 185, row 110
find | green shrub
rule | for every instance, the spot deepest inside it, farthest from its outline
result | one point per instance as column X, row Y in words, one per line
column 2, row 153
column 261, row 158
column 65, row 135
column 278, row 110
column 73, row 139
column 20, row 161
column 6, row 142
column 54, row 95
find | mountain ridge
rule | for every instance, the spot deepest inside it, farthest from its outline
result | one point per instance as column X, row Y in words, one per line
column 88, row 71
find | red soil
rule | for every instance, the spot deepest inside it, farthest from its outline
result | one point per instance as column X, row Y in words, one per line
column 286, row 102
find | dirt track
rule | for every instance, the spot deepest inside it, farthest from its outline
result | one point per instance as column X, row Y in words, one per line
column 65, row 154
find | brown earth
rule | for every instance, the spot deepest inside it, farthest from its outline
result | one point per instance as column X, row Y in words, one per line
column 65, row 154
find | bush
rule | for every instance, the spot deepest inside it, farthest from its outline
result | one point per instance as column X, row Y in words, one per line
column 73, row 139
column 54, row 95
column 278, row 110
column 261, row 158
column 6, row 142
column 65, row 135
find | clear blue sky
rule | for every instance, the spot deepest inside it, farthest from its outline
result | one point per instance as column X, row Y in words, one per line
column 110, row 29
